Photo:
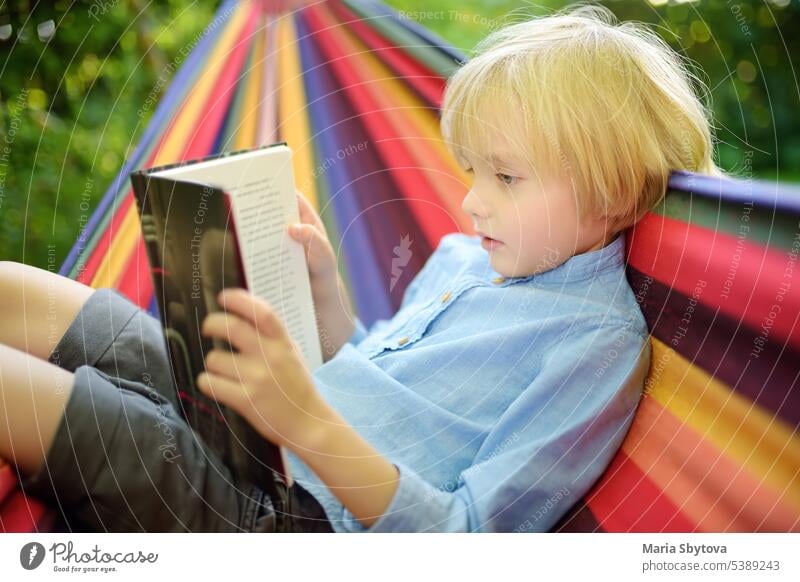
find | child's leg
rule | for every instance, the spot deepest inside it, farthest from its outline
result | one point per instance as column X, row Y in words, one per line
column 115, row 456
column 71, row 325
column 33, row 394
column 119, row 457
column 37, row 307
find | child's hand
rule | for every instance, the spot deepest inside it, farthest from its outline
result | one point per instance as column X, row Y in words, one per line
column 334, row 313
column 311, row 233
column 266, row 381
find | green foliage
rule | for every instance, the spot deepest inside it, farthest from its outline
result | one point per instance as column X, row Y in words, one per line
column 69, row 108
column 70, row 111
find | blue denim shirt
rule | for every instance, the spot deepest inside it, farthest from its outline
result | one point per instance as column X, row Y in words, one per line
column 499, row 400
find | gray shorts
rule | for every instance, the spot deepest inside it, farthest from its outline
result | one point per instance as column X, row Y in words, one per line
column 123, row 459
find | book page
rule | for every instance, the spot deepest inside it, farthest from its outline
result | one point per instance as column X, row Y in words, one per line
column 261, row 185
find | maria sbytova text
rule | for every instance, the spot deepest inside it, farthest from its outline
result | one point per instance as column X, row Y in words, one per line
column 683, row 549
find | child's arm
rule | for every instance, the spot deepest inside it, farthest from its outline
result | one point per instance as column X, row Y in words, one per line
column 363, row 480
column 267, row 383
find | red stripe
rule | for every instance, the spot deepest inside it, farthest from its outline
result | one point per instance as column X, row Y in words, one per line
column 8, row 480
column 426, row 82
column 22, row 515
column 136, row 282
column 626, row 500
column 199, row 145
column 742, row 278
column 99, row 251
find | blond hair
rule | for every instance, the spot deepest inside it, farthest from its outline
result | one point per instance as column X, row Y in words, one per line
column 610, row 105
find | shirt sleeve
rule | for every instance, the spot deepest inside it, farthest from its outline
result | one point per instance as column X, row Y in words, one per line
column 546, row 450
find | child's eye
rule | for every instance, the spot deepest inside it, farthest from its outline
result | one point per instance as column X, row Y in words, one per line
column 506, row 179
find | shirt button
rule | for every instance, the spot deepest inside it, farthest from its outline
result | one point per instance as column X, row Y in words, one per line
column 498, row 280
column 402, row 341
column 446, row 297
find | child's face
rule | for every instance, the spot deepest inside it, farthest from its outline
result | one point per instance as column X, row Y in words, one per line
column 532, row 220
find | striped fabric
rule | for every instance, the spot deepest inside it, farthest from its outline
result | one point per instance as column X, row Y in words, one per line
column 355, row 89
column 714, row 445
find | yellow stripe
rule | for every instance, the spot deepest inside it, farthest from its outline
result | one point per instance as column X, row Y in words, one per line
column 116, row 258
column 403, row 102
column 293, row 121
column 764, row 444
column 248, row 126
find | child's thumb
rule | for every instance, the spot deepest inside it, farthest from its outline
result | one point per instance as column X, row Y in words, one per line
column 296, row 230
column 303, row 233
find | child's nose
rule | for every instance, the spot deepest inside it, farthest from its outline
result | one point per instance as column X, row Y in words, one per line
column 473, row 205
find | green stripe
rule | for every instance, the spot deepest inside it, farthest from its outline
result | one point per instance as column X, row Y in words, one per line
column 749, row 222
column 329, row 219
column 409, row 42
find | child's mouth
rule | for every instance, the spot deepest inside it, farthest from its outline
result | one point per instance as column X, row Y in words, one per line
column 490, row 244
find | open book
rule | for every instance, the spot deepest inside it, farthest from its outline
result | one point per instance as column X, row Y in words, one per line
column 216, row 223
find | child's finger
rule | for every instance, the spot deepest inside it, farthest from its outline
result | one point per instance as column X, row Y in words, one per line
column 305, row 234
column 233, row 366
column 253, row 310
column 237, row 331
column 317, row 248
column 224, row 391
column 307, row 213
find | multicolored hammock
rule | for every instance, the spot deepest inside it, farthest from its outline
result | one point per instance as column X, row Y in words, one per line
column 354, row 89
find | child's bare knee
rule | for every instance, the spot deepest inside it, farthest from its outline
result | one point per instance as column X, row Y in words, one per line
column 9, row 273
column 37, row 306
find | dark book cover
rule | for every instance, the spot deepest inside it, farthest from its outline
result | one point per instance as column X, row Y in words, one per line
column 191, row 243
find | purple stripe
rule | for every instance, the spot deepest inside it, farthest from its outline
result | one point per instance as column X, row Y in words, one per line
column 759, row 192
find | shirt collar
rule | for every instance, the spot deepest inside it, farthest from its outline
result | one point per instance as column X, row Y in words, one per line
column 579, row 267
